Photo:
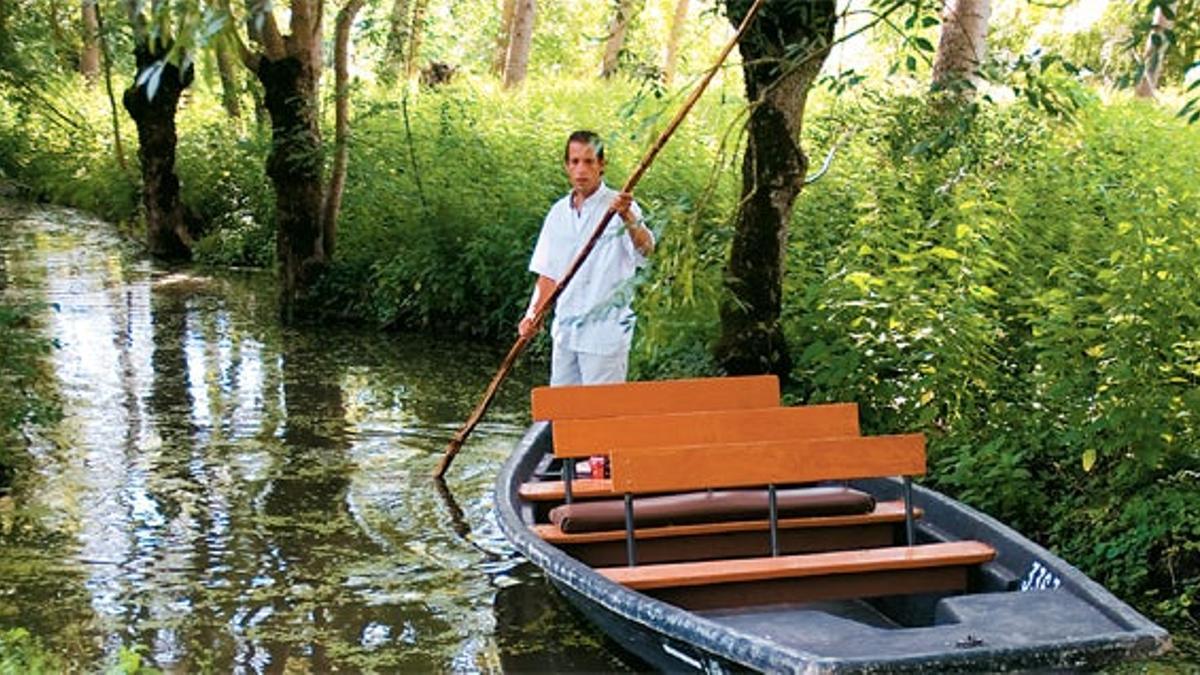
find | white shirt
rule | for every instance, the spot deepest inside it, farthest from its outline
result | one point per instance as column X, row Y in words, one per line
column 593, row 314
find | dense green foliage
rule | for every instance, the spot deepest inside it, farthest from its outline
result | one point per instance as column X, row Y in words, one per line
column 1028, row 298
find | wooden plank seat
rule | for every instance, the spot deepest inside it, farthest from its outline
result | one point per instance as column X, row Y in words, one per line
column 584, row 437
column 943, row 554
column 658, row 396
column 926, row 567
column 809, row 577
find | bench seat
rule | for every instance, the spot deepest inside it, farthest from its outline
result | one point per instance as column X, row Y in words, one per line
column 714, row 572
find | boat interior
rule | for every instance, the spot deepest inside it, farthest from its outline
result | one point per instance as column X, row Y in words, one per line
column 709, row 495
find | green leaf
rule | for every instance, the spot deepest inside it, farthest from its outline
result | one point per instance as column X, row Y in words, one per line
column 1088, row 460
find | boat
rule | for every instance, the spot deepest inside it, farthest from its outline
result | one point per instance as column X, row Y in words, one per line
column 722, row 532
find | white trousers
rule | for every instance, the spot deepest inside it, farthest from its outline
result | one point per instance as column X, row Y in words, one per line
column 568, row 366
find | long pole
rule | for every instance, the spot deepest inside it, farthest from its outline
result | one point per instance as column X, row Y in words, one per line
column 506, row 365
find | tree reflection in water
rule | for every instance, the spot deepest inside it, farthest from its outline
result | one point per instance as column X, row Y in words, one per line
column 230, row 496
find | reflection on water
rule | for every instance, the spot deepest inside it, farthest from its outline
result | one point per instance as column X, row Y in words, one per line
column 232, row 496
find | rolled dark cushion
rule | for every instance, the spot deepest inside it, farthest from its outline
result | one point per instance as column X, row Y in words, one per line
column 710, row 506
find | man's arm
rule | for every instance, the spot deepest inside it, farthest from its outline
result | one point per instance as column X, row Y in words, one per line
column 639, row 234
column 542, row 291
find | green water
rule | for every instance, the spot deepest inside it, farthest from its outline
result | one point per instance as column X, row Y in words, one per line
column 226, row 495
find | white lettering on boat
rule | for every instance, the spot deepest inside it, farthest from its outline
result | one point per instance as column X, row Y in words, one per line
column 1039, row 578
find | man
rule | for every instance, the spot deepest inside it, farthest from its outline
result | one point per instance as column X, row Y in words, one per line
column 593, row 322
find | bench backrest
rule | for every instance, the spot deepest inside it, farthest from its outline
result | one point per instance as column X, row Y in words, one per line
column 728, row 465
column 661, row 396
column 584, row 437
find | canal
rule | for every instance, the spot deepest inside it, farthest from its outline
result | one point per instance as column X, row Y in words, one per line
column 224, row 494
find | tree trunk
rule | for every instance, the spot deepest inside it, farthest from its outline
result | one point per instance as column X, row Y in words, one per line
column 500, row 53
column 1155, row 54
column 397, row 41
column 289, row 69
column 294, row 165
column 626, row 9
column 962, row 47
column 89, row 56
column 782, row 55
column 341, row 141
column 519, row 44
column 415, row 34
column 230, row 98
column 671, row 62
column 114, row 115
column 166, row 231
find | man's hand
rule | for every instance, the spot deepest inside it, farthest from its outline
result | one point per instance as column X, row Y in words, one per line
column 620, row 206
column 528, row 327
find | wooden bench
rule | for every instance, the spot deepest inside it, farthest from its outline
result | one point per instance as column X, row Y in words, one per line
column 777, row 578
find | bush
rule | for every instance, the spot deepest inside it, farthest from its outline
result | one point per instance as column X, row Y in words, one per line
column 1028, row 297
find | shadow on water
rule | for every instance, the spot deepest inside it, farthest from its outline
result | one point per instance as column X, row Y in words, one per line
column 228, row 495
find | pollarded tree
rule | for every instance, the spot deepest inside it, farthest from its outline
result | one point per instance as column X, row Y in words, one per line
column 289, row 68
column 782, row 54
column 164, row 70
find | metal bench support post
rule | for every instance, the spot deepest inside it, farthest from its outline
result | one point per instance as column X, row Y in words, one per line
column 773, row 508
column 630, row 542
column 909, row 527
column 568, row 473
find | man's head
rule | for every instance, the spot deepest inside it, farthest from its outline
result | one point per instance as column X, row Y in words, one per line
column 583, row 160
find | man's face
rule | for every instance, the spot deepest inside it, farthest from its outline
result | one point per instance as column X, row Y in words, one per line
column 583, row 167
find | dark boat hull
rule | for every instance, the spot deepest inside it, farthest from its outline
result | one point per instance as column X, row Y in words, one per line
column 1062, row 620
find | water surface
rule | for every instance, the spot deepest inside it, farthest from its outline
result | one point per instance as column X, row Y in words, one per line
column 226, row 495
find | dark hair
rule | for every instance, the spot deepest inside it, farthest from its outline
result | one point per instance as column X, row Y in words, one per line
column 584, row 136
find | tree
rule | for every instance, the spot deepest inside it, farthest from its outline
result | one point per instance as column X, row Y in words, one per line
column 500, row 51
column 671, row 62
column 1156, row 50
column 626, row 11
column 289, row 69
column 399, row 23
column 782, row 54
column 962, row 47
column 520, row 41
column 89, row 56
column 152, row 101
